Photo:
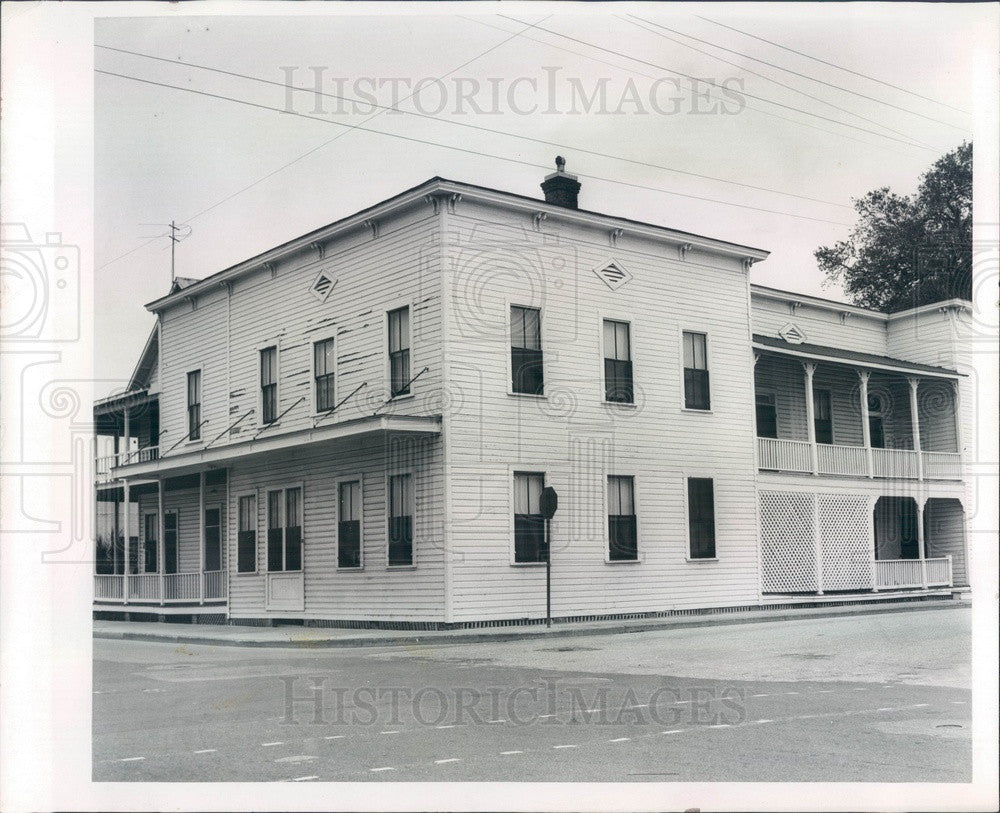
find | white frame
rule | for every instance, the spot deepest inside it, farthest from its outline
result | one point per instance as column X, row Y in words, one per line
column 255, row 493
column 603, row 317
column 300, row 484
column 222, row 544
column 388, row 514
column 312, row 373
column 829, row 392
column 774, row 396
column 512, row 548
column 276, row 344
column 696, row 475
column 510, row 303
column 142, row 543
column 709, row 361
column 360, row 479
column 638, row 523
column 201, row 407
column 384, row 339
column 163, row 543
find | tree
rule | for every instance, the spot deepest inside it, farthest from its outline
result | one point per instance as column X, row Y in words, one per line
column 906, row 251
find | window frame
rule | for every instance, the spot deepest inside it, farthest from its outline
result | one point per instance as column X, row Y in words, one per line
column 314, row 389
column 276, row 344
column 145, row 540
column 696, row 475
column 211, row 506
column 387, row 357
column 613, row 317
column 177, row 540
column 829, row 399
column 510, row 305
column 413, row 517
column 607, row 525
column 774, row 398
column 198, row 404
column 360, row 480
column 283, row 488
column 512, row 474
column 255, row 495
column 701, row 331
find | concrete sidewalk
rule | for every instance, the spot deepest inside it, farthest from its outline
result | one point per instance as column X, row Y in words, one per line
column 325, row 637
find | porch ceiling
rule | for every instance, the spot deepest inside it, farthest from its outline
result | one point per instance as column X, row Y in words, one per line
column 851, row 357
column 200, row 459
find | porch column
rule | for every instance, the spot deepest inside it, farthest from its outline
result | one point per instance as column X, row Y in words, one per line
column 160, row 525
column 810, row 368
column 127, row 439
column 866, row 429
column 957, row 406
column 128, row 533
column 921, row 545
column 201, row 537
column 915, row 424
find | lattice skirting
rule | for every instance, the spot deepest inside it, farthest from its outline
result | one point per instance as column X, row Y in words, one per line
column 791, row 524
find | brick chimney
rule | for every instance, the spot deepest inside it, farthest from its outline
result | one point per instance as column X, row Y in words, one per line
column 560, row 187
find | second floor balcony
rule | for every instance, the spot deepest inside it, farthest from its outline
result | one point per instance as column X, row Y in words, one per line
column 836, row 413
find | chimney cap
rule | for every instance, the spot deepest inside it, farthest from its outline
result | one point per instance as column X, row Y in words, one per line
column 560, row 164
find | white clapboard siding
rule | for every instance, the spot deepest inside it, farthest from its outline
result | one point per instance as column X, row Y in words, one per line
column 185, row 503
column 863, row 332
column 496, row 259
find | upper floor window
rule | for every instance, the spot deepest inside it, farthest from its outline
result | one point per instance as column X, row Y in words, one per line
column 696, row 394
column 324, row 366
column 246, row 537
column 349, row 524
column 401, row 519
column 617, row 362
column 622, row 535
column 876, row 422
column 399, row 352
column 767, row 415
column 701, row 517
column 284, row 529
column 194, row 404
column 269, row 384
column 526, row 350
column 529, row 526
column 823, row 417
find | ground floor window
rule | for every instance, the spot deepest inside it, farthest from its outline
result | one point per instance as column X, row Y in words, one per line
column 701, row 517
column 349, row 524
column 622, row 537
column 246, row 537
column 170, row 542
column 284, row 529
column 529, row 526
column 150, row 542
column 401, row 519
column 213, row 538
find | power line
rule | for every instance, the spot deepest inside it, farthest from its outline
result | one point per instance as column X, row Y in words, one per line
column 694, row 79
column 479, row 128
column 803, row 75
column 757, row 73
column 833, row 65
column 476, row 153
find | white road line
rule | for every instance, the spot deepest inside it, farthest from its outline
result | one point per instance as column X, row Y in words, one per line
column 444, row 726
column 131, row 759
column 269, row 744
column 637, row 706
column 496, row 721
column 335, row 737
column 390, row 732
column 564, row 746
column 791, row 692
column 861, row 689
column 376, row 770
column 759, row 722
column 507, row 753
column 720, row 725
column 676, row 702
column 621, row 739
column 954, row 703
column 544, row 716
column 830, row 691
column 207, row 751
column 443, row 761
column 304, row 778
column 674, row 731
column 760, row 695
column 885, row 709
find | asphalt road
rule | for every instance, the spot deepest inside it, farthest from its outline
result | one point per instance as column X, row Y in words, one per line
column 874, row 698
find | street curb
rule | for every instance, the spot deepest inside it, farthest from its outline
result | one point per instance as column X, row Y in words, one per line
column 446, row 637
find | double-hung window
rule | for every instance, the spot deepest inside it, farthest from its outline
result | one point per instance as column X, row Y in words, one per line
column 876, row 423
column 399, row 352
column 284, row 529
column 529, row 526
column 194, row 404
column 324, row 367
column 246, row 537
column 617, row 362
column 151, row 539
column 622, row 537
column 526, row 350
column 269, row 385
column 701, row 517
column 696, row 392
column 400, row 520
column 170, row 542
column 349, row 524
column 823, row 418
column 767, row 415
column 213, row 539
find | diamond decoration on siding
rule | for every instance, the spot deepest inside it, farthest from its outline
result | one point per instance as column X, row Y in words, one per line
column 792, row 334
column 614, row 274
column 322, row 286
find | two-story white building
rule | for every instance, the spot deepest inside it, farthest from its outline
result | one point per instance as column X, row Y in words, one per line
column 355, row 427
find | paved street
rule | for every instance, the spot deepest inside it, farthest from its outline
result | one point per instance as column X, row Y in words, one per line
column 873, row 698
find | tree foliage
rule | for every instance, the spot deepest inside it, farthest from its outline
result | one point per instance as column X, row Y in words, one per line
column 906, row 251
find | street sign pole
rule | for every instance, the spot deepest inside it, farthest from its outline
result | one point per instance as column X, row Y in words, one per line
column 548, row 503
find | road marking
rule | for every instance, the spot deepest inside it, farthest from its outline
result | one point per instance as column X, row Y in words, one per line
column 621, row 739
column 304, row 778
column 545, row 716
column 96, row 692
column 791, row 692
column 445, row 726
column 496, row 721
column 564, row 746
column 759, row 722
column 131, row 759
column 720, row 725
column 885, row 709
column 207, row 751
column 335, row 737
column 637, row 706
column 390, row 732
column 269, row 744
column 443, row 761
column 760, row 695
column 674, row 731
column 376, row 770
column 921, row 705
column 507, row 753
column 691, row 701
column 147, row 691
column 956, row 703
column 830, row 691
column 861, row 689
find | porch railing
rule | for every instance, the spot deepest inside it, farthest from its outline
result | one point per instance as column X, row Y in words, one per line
column 901, row 463
column 215, row 584
column 144, row 587
column 778, row 454
column 890, row 573
column 832, row 459
column 104, row 465
column 942, row 465
column 784, row 455
column 108, row 586
column 178, row 588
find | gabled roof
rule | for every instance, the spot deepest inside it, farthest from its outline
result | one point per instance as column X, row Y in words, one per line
column 148, row 359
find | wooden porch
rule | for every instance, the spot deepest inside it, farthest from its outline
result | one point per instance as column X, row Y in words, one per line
column 211, row 587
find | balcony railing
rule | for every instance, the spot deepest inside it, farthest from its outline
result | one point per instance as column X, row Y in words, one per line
column 898, row 573
column 178, row 588
column 104, row 466
column 778, row 454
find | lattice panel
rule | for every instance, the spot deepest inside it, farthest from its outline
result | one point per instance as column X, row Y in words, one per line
column 846, row 542
column 788, row 560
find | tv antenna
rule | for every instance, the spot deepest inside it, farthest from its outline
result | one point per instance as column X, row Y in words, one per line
column 176, row 234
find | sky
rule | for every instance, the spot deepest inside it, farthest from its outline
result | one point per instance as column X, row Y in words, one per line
column 870, row 96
